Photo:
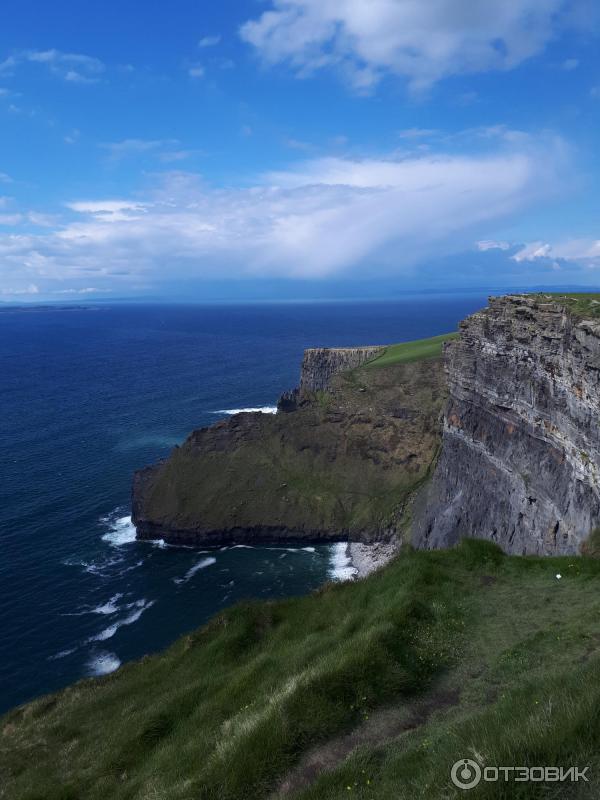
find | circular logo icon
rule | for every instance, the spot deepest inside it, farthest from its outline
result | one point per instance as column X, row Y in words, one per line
column 465, row 773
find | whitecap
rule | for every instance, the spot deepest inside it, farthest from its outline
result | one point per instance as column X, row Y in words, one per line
column 202, row 564
column 62, row 654
column 103, row 663
column 110, row 607
column 130, row 568
column 93, row 567
column 260, row 409
column 140, row 606
column 121, row 530
column 160, row 543
column 340, row 563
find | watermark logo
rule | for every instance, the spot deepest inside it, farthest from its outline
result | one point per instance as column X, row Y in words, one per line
column 467, row 774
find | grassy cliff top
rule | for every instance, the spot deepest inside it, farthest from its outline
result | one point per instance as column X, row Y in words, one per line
column 409, row 352
column 582, row 304
column 443, row 655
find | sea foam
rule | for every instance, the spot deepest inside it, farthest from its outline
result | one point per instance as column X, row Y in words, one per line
column 107, row 633
column 202, row 564
column 340, row 563
column 103, row 663
column 121, row 531
column 261, row 409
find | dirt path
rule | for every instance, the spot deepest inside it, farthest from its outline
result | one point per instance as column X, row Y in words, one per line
column 381, row 727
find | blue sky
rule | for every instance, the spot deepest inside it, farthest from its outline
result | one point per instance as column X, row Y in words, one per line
column 297, row 147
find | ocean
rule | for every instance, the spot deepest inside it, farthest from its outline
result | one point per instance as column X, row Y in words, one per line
column 90, row 394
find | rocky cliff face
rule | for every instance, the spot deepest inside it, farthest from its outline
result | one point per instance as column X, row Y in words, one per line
column 320, row 364
column 520, row 461
column 340, row 464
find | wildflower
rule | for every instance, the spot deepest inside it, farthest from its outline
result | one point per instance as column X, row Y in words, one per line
column 558, row 576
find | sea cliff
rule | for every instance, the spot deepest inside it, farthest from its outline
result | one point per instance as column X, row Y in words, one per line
column 520, row 460
column 342, row 463
column 518, row 443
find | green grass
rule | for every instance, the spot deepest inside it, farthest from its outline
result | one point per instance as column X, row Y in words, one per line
column 408, row 352
column 228, row 711
column 581, row 304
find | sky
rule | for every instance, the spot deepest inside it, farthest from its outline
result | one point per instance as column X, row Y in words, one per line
column 297, row 148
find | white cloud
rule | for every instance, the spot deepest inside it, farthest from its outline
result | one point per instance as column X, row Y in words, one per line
column 31, row 289
column 489, row 244
column 85, row 290
column 77, row 77
column 325, row 217
column 583, row 251
column 532, row 251
column 209, row 41
column 417, row 133
column 420, row 40
column 72, row 67
column 107, row 210
column 11, row 219
column 196, row 71
column 132, row 147
column 570, row 64
column 171, row 156
column 73, row 137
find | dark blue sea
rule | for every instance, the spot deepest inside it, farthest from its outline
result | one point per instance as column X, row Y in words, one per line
column 88, row 395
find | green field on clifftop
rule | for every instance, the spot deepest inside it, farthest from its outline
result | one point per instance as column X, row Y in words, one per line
column 367, row 690
column 409, row 352
column 581, row 304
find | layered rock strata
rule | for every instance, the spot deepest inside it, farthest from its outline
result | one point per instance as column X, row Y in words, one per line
column 520, row 460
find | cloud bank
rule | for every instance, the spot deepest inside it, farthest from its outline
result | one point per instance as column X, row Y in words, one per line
column 585, row 252
column 327, row 217
column 420, row 40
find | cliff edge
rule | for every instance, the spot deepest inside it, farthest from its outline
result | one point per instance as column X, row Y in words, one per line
column 358, row 438
column 520, row 460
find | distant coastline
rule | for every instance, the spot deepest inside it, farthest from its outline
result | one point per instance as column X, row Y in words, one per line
column 36, row 308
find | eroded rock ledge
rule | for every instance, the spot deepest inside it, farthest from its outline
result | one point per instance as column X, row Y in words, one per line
column 520, row 461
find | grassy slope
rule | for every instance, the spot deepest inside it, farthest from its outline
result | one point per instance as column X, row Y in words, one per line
column 409, row 352
column 226, row 712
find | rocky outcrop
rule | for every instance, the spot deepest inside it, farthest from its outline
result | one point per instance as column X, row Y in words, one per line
column 320, row 364
column 341, row 464
column 520, row 461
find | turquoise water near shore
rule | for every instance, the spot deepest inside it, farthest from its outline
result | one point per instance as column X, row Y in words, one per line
column 90, row 394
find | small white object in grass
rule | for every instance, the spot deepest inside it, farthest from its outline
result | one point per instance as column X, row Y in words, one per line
column 558, row 576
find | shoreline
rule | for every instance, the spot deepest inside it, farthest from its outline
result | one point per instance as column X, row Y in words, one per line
column 368, row 558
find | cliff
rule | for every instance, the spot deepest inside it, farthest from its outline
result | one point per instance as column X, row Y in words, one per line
column 357, row 441
column 320, row 364
column 520, row 461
